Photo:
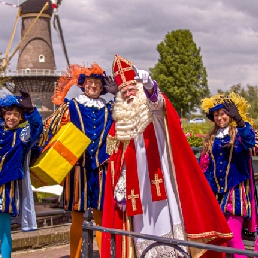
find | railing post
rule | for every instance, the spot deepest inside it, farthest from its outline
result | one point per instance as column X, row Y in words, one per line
column 87, row 235
column 113, row 246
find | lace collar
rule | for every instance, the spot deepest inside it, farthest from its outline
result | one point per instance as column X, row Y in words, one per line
column 89, row 102
column 222, row 132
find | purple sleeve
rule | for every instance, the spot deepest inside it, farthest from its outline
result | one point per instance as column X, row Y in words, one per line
column 154, row 96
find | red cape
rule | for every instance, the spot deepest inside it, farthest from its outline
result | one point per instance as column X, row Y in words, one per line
column 203, row 219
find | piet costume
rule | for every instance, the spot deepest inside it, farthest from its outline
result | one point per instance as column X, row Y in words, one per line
column 15, row 144
column 228, row 167
column 84, row 185
column 92, row 117
column 153, row 179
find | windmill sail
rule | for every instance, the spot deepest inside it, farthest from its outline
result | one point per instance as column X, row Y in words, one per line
column 58, row 28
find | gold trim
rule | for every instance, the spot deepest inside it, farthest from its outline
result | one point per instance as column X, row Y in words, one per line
column 228, row 167
column 3, row 198
column 111, row 144
column 225, row 207
column 130, row 249
column 16, row 197
column 125, row 145
column 101, row 137
column 241, row 198
column 247, row 195
column 100, row 186
column 11, row 196
column 82, row 126
column 68, row 179
column 209, row 234
column 79, row 188
column 227, row 171
column 3, row 158
column 126, row 69
column 214, row 172
column 75, row 189
column 124, row 238
column 85, row 190
column 121, row 70
column 112, row 163
column 53, row 123
column 233, row 202
column 14, row 139
column 56, row 118
column 172, row 175
column 2, row 161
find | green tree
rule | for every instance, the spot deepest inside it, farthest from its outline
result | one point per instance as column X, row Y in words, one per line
column 180, row 72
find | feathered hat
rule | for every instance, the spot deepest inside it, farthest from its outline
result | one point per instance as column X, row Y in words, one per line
column 123, row 72
column 216, row 102
column 75, row 75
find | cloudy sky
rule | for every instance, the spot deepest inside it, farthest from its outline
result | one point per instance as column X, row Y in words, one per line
column 96, row 30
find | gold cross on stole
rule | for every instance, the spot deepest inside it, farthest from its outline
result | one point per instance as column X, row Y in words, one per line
column 157, row 182
column 132, row 197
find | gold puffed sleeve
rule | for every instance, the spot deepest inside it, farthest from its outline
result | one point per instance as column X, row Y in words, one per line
column 53, row 123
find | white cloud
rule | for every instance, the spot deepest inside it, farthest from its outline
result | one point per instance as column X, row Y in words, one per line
column 94, row 31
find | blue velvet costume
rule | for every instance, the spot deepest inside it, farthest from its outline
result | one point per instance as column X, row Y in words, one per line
column 14, row 145
column 84, row 185
column 232, row 185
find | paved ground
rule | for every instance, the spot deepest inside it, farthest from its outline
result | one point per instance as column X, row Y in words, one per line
column 51, row 252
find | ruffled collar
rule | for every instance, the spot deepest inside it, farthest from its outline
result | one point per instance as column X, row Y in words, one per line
column 90, row 102
column 222, row 132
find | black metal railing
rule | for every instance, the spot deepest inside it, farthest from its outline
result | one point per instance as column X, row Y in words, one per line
column 87, row 241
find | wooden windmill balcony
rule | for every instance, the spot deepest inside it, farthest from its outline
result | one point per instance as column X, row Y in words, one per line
column 31, row 80
column 31, row 72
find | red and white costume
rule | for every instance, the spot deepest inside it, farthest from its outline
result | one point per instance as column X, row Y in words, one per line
column 166, row 193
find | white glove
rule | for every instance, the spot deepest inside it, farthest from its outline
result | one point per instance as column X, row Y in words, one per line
column 147, row 82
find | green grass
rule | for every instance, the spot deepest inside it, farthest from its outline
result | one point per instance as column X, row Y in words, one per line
column 40, row 196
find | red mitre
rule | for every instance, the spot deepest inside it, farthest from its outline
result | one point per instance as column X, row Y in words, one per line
column 123, row 72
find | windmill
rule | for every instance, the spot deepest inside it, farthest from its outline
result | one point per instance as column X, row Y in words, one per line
column 36, row 70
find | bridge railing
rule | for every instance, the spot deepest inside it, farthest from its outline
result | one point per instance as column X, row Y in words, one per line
column 87, row 241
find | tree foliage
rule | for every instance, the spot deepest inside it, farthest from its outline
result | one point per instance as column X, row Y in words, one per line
column 250, row 93
column 180, row 72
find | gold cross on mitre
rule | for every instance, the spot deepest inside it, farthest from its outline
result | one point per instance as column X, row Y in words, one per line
column 132, row 197
column 157, row 182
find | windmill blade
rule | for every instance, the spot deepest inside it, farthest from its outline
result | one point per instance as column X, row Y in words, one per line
column 58, row 28
column 13, row 5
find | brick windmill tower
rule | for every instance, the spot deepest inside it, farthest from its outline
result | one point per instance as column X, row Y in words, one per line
column 36, row 50
column 36, row 70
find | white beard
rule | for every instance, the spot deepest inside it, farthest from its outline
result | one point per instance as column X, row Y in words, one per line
column 131, row 119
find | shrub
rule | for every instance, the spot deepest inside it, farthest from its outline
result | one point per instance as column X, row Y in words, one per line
column 195, row 133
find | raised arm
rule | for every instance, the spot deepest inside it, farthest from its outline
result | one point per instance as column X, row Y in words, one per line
column 154, row 98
